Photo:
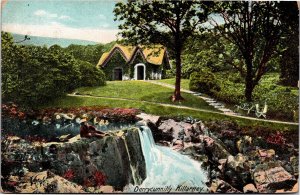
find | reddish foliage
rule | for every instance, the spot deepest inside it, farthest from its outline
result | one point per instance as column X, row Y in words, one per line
column 69, row 174
column 277, row 138
column 114, row 114
column 99, row 178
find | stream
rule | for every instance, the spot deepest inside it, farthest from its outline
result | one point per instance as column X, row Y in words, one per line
column 168, row 170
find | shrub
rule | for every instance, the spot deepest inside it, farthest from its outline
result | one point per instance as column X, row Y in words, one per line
column 91, row 75
column 204, row 82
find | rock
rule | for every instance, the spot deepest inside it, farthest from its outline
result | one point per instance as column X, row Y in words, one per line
column 174, row 129
column 270, row 177
column 266, row 154
column 220, row 186
column 119, row 158
column 46, row 182
column 177, row 145
column 65, row 138
column 244, row 144
column 228, row 133
column 190, row 148
column 249, row 188
column 106, row 189
column 214, row 147
column 13, row 139
column 222, row 163
column 294, row 161
column 238, row 170
column 149, row 118
column 163, row 143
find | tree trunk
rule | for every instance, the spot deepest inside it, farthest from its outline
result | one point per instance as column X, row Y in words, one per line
column 177, row 95
column 249, row 81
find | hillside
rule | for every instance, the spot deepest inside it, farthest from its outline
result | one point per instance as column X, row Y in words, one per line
column 40, row 41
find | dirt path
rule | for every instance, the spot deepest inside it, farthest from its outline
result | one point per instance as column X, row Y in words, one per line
column 184, row 107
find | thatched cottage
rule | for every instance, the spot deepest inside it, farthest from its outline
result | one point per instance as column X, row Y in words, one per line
column 134, row 63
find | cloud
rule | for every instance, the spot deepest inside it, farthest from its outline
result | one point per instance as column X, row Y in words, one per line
column 102, row 17
column 43, row 13
column 64, row 17
column 58, row 30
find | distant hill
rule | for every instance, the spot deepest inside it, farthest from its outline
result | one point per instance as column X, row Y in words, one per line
column 40, row 41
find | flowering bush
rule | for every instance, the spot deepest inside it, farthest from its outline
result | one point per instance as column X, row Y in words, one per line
column 277, row 139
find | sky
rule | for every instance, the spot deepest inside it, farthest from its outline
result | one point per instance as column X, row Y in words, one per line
column 91, row 20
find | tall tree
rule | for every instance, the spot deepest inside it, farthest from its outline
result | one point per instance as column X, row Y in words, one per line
column 169, row 23
column 289, row 63
column 256, row 29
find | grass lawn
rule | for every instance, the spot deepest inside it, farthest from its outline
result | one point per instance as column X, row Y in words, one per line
column 184, row 82
column 162, row 111
column 140, row 90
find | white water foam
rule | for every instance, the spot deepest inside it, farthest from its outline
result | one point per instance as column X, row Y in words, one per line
column 168, row 170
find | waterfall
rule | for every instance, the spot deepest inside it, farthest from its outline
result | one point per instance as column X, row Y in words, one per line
column 168, row 170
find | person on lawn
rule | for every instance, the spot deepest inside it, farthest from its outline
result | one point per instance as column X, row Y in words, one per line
column 89, row 131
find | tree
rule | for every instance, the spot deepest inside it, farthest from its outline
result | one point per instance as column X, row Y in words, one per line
column 33, row 75
column 169, row 23
column 255, row 28
column 209, row 50
column 289, row 63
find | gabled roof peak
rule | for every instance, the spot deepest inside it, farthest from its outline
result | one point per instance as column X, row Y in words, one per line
column 153, row 54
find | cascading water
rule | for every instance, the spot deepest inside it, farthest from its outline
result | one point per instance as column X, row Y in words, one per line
column 168, row 170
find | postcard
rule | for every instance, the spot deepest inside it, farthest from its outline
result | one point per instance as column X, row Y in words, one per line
column 149, row 96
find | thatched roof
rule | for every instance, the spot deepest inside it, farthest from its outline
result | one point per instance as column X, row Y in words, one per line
column 153, row 55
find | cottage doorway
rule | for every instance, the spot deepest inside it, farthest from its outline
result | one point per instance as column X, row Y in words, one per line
column 118, row 72
column 140, row 72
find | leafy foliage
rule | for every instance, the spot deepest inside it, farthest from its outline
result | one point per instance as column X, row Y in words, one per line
column 204, row 82
column 282, row 101
column 90, row 75
column 33, row 75
column 290, row 56
column 210, row 51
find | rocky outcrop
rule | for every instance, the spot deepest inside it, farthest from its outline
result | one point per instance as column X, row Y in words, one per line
column 116, row 159
column 119, row 157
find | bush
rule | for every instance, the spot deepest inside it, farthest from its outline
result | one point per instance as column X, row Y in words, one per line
column 90, row 75
column 204, row 82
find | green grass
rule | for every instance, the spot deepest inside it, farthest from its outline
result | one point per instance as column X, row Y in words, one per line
column 140, row 90
column 162, row 111
column 184, row 82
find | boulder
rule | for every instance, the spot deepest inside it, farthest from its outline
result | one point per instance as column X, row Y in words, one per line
column 220, row 186
column 149, row 118
column 295, row 189
column 249, row 188
column 244, row 144
column 237, row 170
column 65, row 138
column 215, row 148
column 270, row 177
column 174, row 129
column 266, row 154
column 294, row 161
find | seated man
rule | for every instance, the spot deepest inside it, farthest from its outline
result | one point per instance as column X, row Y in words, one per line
column 89, row 131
